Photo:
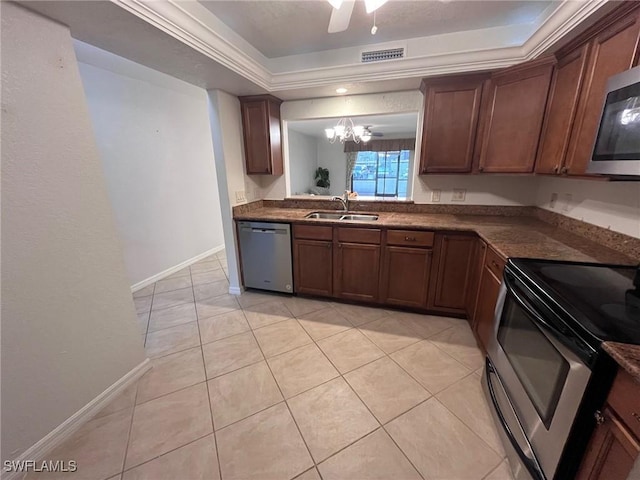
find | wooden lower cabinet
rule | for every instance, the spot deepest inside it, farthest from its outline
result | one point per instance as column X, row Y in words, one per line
column 477, row 264
column 485, row 307
column 313, row 267
column 356, row 271
column 450, row 275
column 615, row 445
column 405, row 276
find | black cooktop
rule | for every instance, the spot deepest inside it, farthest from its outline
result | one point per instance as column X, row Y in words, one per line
column 602, row 300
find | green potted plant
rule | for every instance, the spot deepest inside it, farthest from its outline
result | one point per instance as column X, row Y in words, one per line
column 321, row 178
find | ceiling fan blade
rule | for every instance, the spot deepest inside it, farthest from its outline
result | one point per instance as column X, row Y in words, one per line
column 340, row 17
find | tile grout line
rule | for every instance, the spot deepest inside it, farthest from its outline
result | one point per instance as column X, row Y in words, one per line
column 380, row 424
column 204, row 367
column 283, row 397
column 133, row 412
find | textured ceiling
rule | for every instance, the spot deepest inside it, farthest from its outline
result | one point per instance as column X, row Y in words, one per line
column 280, row 28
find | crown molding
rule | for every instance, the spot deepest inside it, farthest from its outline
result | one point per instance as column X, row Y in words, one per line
column 195, row 26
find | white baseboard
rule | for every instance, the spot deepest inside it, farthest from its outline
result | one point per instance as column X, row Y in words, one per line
column 174, row 269
column 62, row 432
column 235, row 290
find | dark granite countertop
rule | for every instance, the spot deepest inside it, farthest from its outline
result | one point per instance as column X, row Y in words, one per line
column 511, row 236
column 627, row 356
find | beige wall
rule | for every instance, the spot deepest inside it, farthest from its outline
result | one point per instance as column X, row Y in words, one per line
column 68, row 321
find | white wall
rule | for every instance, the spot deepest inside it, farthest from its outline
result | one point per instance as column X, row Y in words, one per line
column 153, row 136
column 68, row 321
column 332, row 156
column 303, row 161
column 614, row 205
column 480, row 189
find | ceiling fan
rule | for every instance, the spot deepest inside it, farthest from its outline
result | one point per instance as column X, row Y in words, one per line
column 342, row 10
column 371, row 133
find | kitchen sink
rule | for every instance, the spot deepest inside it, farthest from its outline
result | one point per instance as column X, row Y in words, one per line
column 363, row 218
column 327, row 216
column 342, row 216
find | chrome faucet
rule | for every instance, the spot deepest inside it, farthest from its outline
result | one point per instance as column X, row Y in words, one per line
column 344, row 199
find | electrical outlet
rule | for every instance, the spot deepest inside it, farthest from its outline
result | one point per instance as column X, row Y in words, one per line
column 554, row 200
column 435, row 196
column 240, row 196
column 567, row 198
column 459, row 194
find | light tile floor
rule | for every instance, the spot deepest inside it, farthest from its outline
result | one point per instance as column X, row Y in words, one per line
column 269, row 387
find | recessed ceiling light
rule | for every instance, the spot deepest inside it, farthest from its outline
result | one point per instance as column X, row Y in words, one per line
column 341, row 90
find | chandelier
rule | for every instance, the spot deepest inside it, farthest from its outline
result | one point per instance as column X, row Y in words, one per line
column 345, row 130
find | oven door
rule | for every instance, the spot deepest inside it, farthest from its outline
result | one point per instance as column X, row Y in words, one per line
column 543, row 380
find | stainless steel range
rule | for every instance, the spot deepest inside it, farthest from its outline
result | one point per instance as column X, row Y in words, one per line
column 546, row 375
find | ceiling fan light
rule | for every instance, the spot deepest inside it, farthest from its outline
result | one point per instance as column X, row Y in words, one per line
column 336, row 3
column 373, row 5
column 366, row 137
column 358, row 130
column 339, row 130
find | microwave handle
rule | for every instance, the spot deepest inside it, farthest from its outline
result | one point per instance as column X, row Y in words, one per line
column 531, row 464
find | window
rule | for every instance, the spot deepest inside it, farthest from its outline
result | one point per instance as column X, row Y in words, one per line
column 381, row 174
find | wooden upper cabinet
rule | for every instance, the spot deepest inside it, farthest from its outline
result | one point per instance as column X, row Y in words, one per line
column 262, row 134
column 451, row 110
column 561, row 111
column 613, row 50
column 514, row 110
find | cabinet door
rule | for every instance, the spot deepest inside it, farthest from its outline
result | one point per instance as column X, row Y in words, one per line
column 515, row 107
column 561, row 111
column 255, row 122
column 479, row 251
column 405, row 276
column 485, row 307
column 313, row 267
column 450, row 123
column 613, row 51
column 611, row 451
column 450, row 277
column 357, row 270
column 262, row 134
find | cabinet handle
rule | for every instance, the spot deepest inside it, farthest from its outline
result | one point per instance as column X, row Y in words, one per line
column 494, row 263
column 599, row 417
column 481, row 168
column 410, row 239
column 556, row 169
column 328, row 245
column 564, row 170
column 636, row 416
column 339, row 245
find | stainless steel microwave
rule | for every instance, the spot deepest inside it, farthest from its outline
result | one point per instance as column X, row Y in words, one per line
column 616, row 151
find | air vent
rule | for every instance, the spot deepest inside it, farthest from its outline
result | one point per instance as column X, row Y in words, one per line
column 381, row 55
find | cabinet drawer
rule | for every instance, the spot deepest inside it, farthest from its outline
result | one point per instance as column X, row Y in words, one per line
column 495, row 263
column 624, row 398
column 359, row 235
column 409, row 238
column 313, row 232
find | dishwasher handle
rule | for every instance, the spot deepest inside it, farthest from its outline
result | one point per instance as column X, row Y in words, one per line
column 276, row 231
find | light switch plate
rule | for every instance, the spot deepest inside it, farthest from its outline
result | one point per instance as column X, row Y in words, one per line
column 459, row 194
column 240, row 196
column 554, row 200
column 567, row 198
column 435, row 196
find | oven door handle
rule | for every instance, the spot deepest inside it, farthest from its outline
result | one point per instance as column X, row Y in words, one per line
column 531, row 464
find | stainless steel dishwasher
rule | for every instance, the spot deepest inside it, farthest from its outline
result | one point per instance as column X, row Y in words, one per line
column 265, row 250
